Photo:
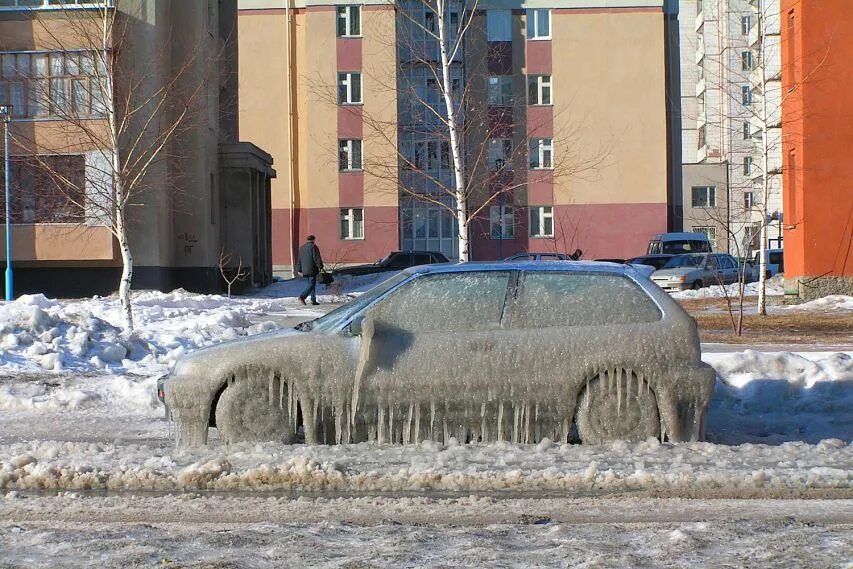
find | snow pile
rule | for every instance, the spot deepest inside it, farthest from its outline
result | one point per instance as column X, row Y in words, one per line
column 38, row 334
column 827, row 303
column 775, row 397
column 775, row 287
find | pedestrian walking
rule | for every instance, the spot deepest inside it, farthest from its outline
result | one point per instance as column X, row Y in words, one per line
column 309, row 264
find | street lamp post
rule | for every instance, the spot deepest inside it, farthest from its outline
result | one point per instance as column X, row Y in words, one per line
column 6, row 115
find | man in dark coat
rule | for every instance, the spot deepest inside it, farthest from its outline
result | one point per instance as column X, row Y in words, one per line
column 309, row 264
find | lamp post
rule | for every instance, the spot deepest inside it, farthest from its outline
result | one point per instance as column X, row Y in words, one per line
column 6, row 115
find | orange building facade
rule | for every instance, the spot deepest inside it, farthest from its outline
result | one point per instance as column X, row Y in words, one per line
column 817, row 115
column 584, row 83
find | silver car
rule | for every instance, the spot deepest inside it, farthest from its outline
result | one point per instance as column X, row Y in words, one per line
column 696, row 270
column 480, row 352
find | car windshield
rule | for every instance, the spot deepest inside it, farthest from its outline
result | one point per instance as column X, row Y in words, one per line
column 337, row 317
column 685, row 261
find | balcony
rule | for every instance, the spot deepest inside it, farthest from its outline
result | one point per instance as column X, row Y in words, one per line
column 700, row 87
column 700, row 20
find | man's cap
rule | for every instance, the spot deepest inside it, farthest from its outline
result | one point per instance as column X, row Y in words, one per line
column 311, row 238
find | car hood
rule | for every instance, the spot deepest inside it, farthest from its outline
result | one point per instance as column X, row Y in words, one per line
column 672, row 273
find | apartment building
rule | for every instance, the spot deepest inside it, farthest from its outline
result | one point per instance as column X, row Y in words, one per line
column 566, row 151
column 818, row 82
column 204, row 193
column 723, row 121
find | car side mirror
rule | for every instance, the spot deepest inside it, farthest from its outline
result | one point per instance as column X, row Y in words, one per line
column 355, row 327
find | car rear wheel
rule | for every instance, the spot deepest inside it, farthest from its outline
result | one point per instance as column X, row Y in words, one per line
column 696, row 285
column 250, row 411
column 617, row 405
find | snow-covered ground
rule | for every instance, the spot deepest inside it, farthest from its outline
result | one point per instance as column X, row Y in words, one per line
column 775, row 287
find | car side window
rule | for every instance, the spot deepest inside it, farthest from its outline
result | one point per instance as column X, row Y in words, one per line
column 401, row 261
column 731, row 263
column 775, row 258
column 549, row 257
column 446, row 302
column 422, row 259
column 552, row 298
column 712, row 262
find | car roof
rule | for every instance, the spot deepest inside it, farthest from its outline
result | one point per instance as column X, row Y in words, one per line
column 579, row 266
column 680, row 235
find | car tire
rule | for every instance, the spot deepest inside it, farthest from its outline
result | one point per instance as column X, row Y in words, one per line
column 245, row 413
column 617, row 406
column 696, row 285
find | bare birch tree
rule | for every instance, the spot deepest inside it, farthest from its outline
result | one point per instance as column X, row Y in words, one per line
column 117, row 105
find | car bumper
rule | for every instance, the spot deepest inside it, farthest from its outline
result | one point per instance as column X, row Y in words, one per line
column 670, row 286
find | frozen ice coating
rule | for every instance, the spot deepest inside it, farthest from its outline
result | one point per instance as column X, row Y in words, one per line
column 475, row 352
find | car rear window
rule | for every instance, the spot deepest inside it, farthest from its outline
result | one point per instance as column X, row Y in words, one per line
column 447, row 302
column 547, row 299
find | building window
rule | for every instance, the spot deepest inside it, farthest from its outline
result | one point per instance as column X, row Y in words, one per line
column 349, row 21
column 502, row 221
column 541, row 153
column 499, row 25
column 746, row 61
column 711, row 232
column 539, row 89
column 46, row 189
column 747, row 165
column 704, row 196
column 500, row 91
column 48, row 4
column 352, row 223
column 349, row 155
column 746, row 95
column 747, row 130
column 745, row 24
column 703, row 133
column 542, row 221
column 539, row 24
column 500, row 151
column 748, row 200
column 53, row 85
column 349, row 88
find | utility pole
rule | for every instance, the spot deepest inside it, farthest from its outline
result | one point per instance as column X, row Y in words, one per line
column 6, row 115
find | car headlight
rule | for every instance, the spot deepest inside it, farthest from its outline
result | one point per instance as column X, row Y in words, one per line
column 680, row 279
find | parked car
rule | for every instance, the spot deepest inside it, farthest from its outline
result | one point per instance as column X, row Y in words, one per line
column 395, row 261
column 656, row 261
column 619, row 261
column 538, row 257
column 775, row 263
column 477, row 351
column 679, row 243
column 696, row 271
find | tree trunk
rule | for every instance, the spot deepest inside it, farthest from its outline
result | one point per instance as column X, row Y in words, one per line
column 765, row 186
column 455, row 143
column 126, row 270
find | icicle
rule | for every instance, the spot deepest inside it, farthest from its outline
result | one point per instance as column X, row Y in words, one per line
column 418, row 424
column 432, row 420
column 281, row 385
column 619, row 393
column 339, row 427
column 407, row 428
column 629, row 379
column 380, row 426
column 500, row 421
column 515, row 424
column 483, row 427
column 391, row 434
column 526, row 419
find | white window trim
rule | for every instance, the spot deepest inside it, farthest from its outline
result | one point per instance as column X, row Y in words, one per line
column 507, row 229
column 350, row 143
column 535, row 24
column 539, row 211
column 541, row 82
column 541, row 145
column 343, row 13
column 351, row 222
column 345, row 79
column 708, row 230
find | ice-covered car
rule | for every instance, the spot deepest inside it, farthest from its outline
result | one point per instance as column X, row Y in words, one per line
column 481, row 352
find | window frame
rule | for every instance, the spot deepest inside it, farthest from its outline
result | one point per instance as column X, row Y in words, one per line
column 348, row 215
column 348, row 83
column 505, row 145
column 746, row 95
column 710, row 196
column 541, row 216
column 345, row 13
column 348, row 146
column 747, row 60
column 532, row 17
column 747, row 165
column 542, row 82
column 498, row 215
column 710, row 232
column 748, row 200
column 504, row 89
column 542, row 149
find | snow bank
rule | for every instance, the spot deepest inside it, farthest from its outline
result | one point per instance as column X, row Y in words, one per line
column 827, row 303
column 38, row 334
column 701, row 467
column 775, row 287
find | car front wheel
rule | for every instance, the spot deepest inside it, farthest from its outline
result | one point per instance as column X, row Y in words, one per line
column 250, row 411
column 617, row 405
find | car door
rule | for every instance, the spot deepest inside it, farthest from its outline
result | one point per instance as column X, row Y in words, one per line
column 429, row 349
column 732, row 269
